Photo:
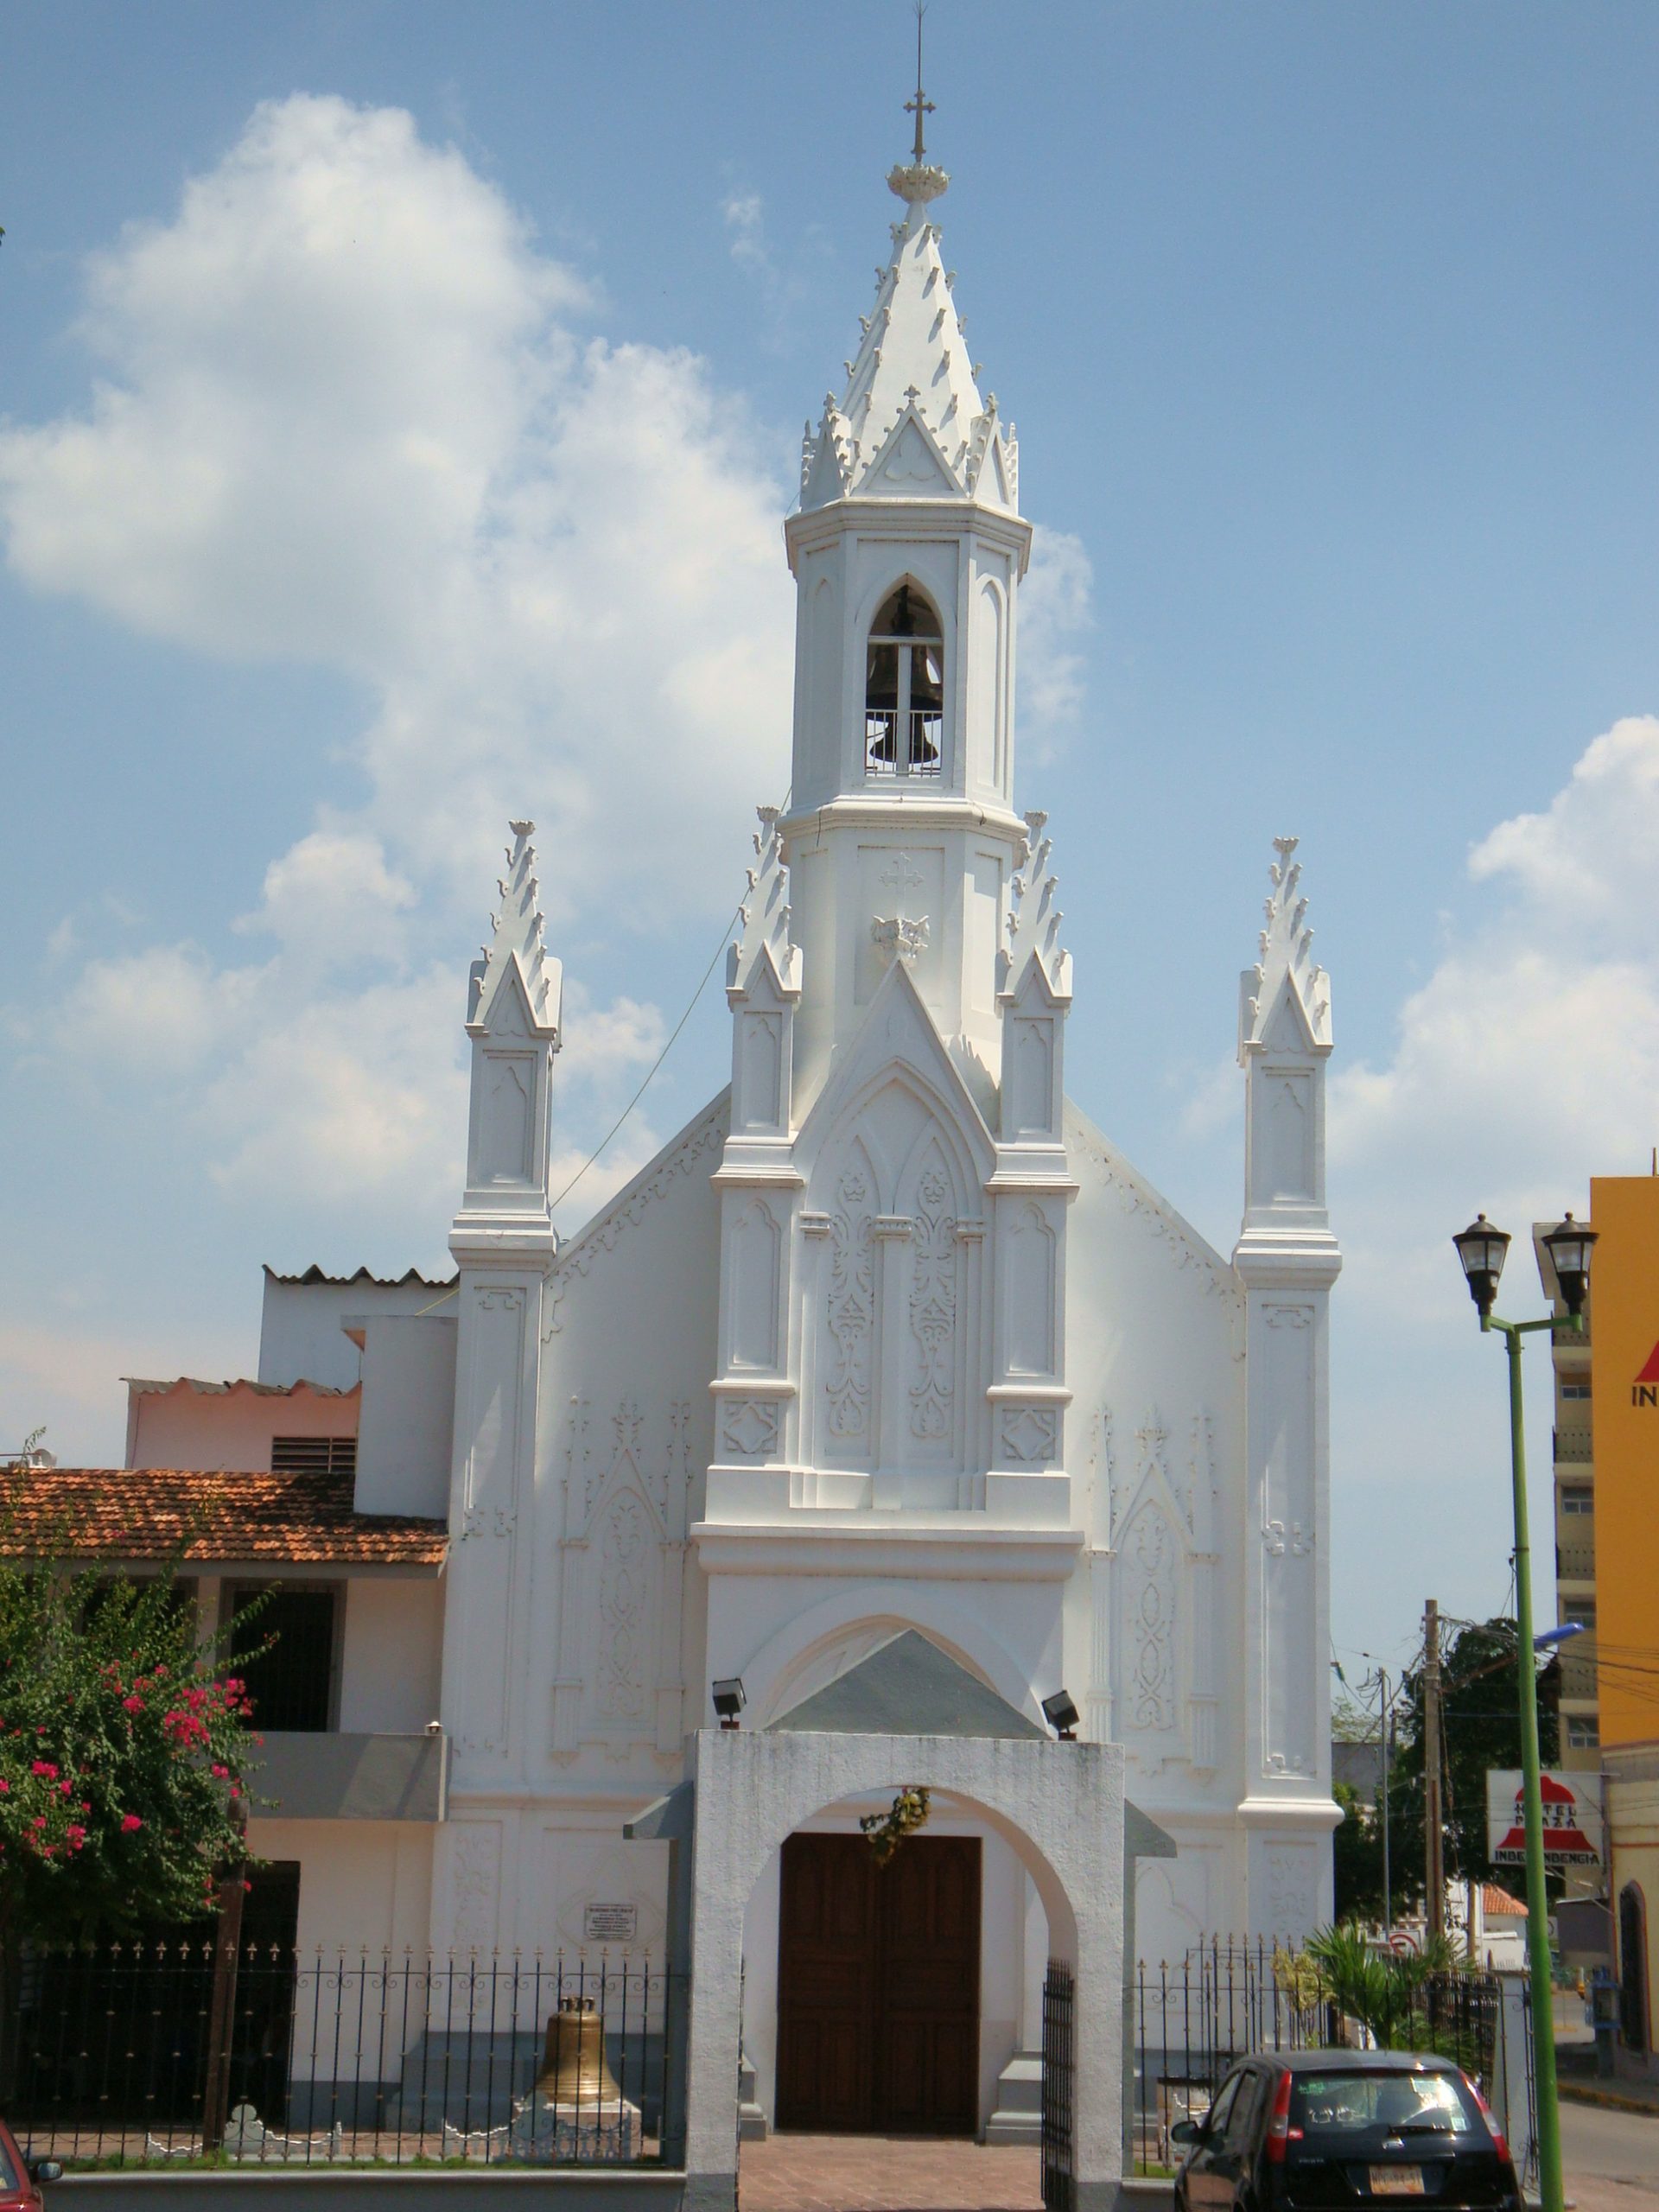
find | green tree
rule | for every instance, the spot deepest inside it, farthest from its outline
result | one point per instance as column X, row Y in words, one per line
column 1357, row 1850
column 1480, row 1728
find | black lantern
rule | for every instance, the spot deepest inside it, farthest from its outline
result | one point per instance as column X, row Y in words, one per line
column 1568, row 1246
column 1482, row 1249
column 1062, row 1716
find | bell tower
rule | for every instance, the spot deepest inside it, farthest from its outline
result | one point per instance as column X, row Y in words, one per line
column 894, row 1187
column 907, row 549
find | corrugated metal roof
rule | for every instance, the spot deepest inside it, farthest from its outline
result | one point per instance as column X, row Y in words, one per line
column 316, row 1274
column 153, row 1388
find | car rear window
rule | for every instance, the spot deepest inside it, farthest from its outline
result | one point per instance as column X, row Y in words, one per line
column 1330, row 2108
column 10, row 2176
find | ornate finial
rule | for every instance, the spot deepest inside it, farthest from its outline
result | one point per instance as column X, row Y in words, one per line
column 918, row 180
column 921, row 105
column 1285, row 953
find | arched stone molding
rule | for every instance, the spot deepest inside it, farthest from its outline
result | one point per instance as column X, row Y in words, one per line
column 776, row 1677
column 1059, row 1807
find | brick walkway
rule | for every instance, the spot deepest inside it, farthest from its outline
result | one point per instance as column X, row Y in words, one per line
column 852, row 2173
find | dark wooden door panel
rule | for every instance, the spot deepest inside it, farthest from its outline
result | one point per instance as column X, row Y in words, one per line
column 878, row 1985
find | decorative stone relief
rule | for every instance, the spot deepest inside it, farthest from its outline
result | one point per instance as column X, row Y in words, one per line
column 1150, row 1556
column 1031, row 1434
column 1290, row 1903
column 478, row 1520
column 850, row 1315
column 1103, row 1478
column 620, row 1669
column 898, row 937
column 933, row 1308
column 475, row 1882
column 748, row 1427
column 1276, row 1540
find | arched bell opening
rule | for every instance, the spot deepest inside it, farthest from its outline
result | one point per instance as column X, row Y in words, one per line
column 904, row 687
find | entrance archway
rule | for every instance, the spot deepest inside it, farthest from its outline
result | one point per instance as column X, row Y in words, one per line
column 1058, row 1806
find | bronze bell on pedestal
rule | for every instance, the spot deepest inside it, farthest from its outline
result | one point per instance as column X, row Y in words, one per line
column 573, row 2071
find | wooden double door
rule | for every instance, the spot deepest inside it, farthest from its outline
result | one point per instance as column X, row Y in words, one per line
column 878, row 1986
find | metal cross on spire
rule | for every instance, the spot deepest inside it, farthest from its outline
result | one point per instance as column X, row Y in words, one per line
column 921, row 105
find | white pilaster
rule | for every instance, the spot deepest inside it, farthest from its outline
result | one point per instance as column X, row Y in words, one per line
column 1288, row 1260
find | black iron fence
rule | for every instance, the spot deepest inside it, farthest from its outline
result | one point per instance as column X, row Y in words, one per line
column 1059, row 2168
column 398, row 2060
column 493, row 2060
column 1193, row 2018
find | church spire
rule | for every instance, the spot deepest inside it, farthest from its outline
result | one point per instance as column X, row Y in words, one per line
column 910, row 422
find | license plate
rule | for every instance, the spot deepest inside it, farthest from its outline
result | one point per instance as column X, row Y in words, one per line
column 1398, row 2181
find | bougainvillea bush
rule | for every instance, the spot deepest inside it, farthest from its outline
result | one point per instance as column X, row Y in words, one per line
column 123, row 1746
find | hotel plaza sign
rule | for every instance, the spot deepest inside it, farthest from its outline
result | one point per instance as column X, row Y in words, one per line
column 1571, row 1818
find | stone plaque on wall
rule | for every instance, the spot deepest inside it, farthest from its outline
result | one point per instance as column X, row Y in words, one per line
column 609, row 1923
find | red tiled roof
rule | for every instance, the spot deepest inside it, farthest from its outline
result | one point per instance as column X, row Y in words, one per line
column 1498, row 1904
column 125, row 1513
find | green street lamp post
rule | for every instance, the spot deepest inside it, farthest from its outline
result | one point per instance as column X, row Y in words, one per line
column 1482, row 1248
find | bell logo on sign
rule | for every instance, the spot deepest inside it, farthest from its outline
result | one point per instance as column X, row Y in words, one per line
column 1571, row 1808
column 1644, row 1391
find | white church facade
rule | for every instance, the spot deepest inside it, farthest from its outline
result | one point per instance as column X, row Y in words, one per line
column 890, row 1340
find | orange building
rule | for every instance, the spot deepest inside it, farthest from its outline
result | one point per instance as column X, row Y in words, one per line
column 1607, row 1567
column 1624, row 1390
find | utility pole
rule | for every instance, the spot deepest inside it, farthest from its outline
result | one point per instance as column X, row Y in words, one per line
column 1433, row 1811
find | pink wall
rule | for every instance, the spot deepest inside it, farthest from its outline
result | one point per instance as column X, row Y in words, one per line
column 187, row 1429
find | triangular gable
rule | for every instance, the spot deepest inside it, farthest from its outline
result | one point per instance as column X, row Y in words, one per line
column 907, row 1688
column 910, row 464
column 1287, row 1028
column 504, row 1009
column 898, row 1031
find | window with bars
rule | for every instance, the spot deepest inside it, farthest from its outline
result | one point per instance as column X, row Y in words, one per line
column 314, row 1455
column 285, row 1649
column 1583, row 1732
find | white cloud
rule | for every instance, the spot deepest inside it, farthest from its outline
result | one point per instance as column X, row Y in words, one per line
column 347, row 414
column 331, row 899
column 159, row 1011
column 745, row 218
column 1530, row 1059
column 1054, row 610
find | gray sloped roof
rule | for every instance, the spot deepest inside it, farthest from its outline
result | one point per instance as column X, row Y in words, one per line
column 909, row 1687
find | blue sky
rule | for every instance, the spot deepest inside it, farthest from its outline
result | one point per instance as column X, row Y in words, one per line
column 1329, row 333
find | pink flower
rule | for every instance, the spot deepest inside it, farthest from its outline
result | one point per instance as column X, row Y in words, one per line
column 128, row 1822
column 45, row 1767
column 133, row 1705
column 5, row 1787
column 221, row 1773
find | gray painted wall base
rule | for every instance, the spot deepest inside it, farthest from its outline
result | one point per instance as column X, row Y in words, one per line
column 318, row 2190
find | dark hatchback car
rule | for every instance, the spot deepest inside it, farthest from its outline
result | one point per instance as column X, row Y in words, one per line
column 1320, row 2130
